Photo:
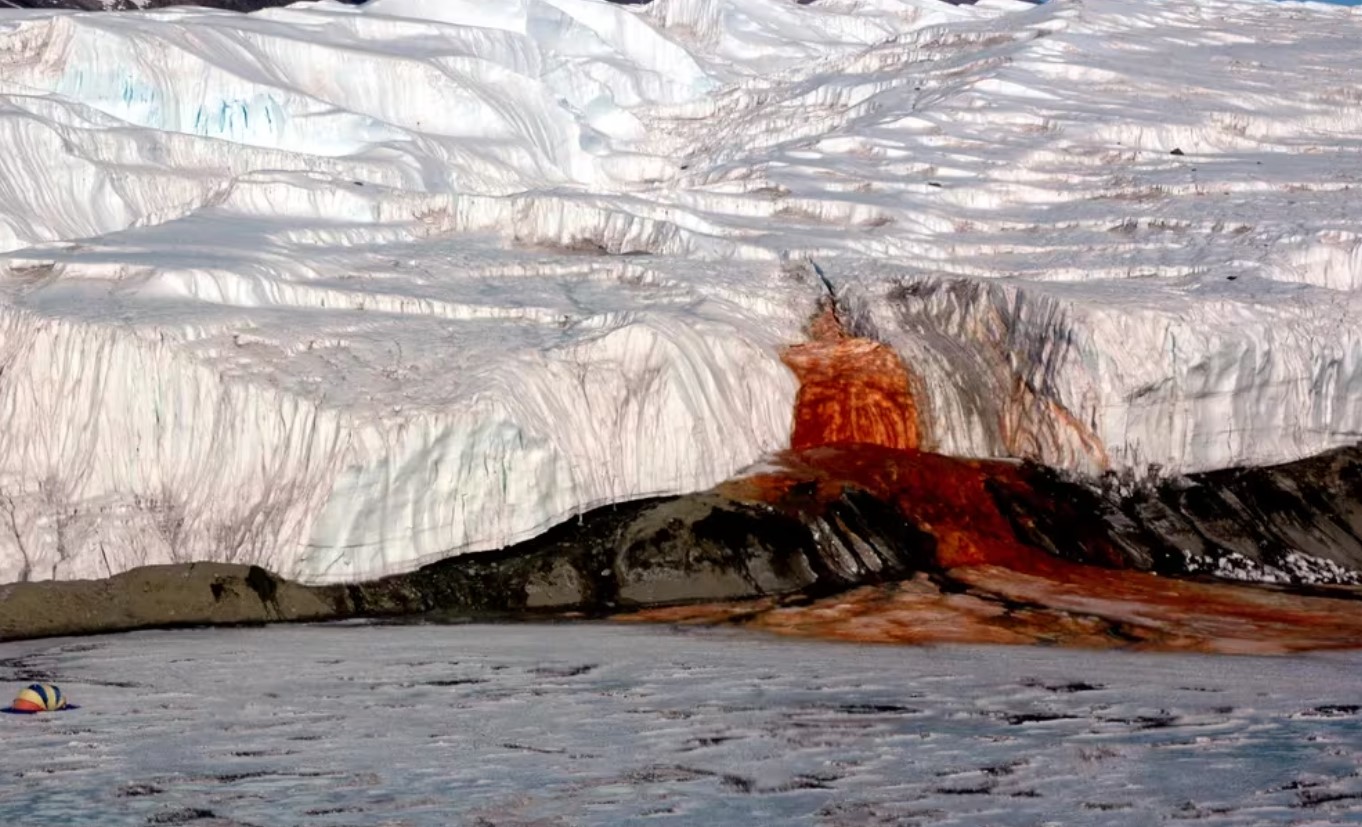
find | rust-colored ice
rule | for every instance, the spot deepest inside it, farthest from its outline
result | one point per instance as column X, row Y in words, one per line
column 851, row 390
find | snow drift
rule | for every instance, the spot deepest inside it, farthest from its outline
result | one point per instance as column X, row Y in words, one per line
column 341, row 290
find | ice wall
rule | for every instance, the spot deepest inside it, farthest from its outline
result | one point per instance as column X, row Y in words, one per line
column 340, row 425
column 341, row 290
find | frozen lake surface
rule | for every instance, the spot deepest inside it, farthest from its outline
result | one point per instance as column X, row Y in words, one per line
column 597, row 724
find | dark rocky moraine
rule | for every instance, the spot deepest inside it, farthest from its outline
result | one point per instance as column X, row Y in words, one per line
column 1296, row 526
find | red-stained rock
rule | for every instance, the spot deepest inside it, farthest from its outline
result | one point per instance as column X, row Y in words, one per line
column 856, row 427
column 947, row 497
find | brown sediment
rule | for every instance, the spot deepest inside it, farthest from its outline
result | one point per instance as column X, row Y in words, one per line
column 949, row 498
column 992, row 587
column 1001, row 606
column 1183, row 614
column 856, row 427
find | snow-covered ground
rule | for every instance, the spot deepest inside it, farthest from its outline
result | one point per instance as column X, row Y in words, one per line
column 341, row 290
column 584, row 725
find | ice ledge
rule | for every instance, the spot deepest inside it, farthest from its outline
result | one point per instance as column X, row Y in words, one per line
column 361, row 411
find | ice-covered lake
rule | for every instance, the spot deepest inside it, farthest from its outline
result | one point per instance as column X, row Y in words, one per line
column 597, row 724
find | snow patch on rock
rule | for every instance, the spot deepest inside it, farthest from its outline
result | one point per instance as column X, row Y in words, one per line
column 1292, row 567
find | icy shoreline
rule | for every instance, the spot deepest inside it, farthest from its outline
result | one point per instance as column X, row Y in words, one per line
column 593, row 725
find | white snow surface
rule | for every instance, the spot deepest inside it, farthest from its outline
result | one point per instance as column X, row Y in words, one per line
column 343, row 290
column 588, row 725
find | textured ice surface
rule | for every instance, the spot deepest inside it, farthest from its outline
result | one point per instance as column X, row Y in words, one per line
column 340, row 290
column 576, row 725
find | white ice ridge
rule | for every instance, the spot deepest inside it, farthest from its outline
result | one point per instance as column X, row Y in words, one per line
column 343, row 290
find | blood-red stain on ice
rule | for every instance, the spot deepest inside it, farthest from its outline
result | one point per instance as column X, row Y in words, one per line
column 851, row 390
column 856, row 424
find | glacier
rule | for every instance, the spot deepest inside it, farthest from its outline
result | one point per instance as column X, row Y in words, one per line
column 341, row 290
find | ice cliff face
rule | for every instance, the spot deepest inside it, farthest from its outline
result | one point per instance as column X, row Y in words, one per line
column 340, row 290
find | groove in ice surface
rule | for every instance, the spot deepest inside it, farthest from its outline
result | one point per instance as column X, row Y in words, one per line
column 582, row 724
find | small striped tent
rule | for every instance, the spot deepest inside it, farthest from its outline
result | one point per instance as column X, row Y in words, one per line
column 38, row 697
